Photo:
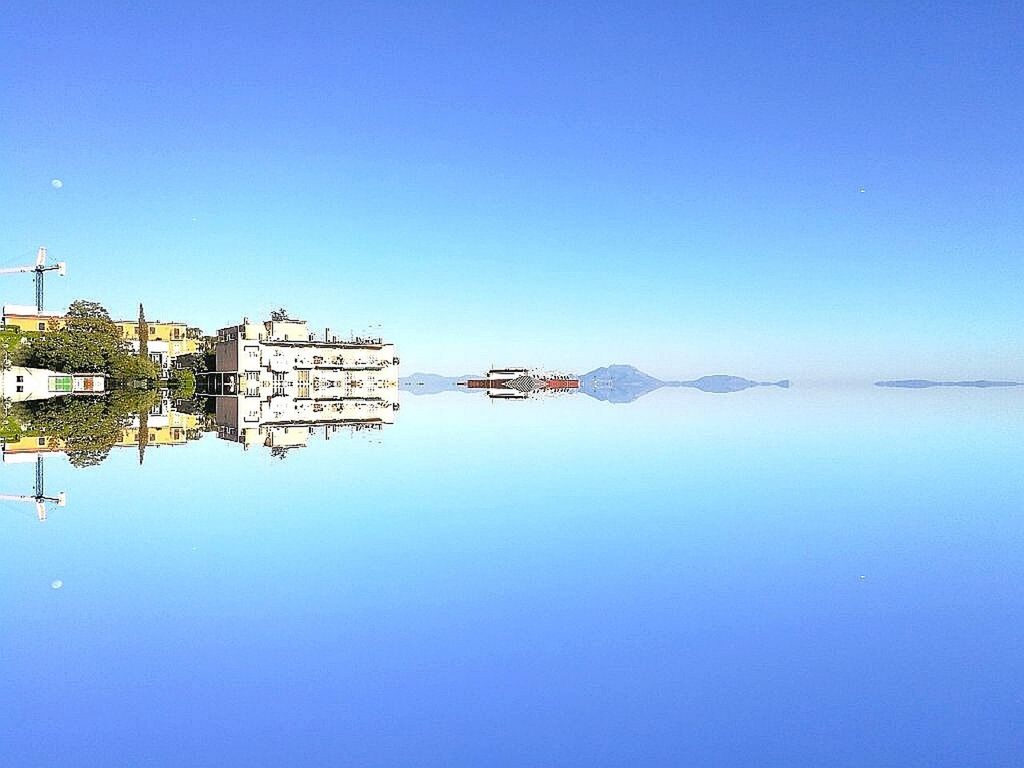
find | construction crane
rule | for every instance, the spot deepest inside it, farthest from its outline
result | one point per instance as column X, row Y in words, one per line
column 40, row 269
column 39, row 497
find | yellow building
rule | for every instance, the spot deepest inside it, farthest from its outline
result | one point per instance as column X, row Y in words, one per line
column 166, row 341
column 171, row 429
column 26, row 318
column 173, row 334
column 32, row 445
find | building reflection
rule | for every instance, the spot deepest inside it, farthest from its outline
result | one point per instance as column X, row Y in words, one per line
column 161, row 425
column 284, row 422
column 275, row 383
column 522, row 383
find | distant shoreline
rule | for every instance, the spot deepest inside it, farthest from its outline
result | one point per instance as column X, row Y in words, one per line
column 926, row 384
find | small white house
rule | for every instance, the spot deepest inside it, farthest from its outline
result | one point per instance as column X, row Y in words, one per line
column 20, row 384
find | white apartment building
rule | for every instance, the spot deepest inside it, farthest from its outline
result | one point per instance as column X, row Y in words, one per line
column 281, row 358
column 278, row 383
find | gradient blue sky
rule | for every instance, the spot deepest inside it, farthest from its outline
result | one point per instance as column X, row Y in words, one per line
column 569, row 186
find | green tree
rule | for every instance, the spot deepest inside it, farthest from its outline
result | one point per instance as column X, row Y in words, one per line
column 143, row 437
column 143, row 333
column 183, row 382
column 88, row 310
column 89, row 342
column 133, row 368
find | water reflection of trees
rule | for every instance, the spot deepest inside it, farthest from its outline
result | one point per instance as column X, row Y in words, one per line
column 86, row 428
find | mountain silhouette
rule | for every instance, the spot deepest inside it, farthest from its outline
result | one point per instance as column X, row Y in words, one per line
column 721, row 384
column 618, row 383
column 926, row 383
column 625, row 383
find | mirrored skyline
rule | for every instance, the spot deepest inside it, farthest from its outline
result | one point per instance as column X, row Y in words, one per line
column 449, row 384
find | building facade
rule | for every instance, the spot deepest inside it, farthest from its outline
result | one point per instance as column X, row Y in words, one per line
column 278, row 383
column 283, row 423
column 28, row 318
column 20, row 384
column 165, row 341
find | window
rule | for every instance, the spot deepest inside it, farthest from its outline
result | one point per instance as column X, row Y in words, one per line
column 42, row 326
column 61, row 384
column 41, row 441
column 20, row 388
column 20, row 379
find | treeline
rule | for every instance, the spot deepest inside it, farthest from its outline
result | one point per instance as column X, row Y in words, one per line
column 87, row 342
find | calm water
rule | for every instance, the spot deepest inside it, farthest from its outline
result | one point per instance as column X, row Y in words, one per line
column 804, row 577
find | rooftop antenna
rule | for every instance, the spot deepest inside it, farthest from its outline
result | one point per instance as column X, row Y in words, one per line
column 39, row 497
column 40, row 269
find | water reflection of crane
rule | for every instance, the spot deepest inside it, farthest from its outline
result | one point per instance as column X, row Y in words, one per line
column 39, row 497
column 40, row 269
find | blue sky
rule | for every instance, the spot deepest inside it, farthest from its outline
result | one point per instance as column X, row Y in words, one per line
column 568, row 186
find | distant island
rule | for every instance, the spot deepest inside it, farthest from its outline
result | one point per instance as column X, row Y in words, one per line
column 625, row 383
column 612, row 383
column 925, row 383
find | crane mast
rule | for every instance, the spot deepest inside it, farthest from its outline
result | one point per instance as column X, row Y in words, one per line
column 40, row 268
column 39, row 497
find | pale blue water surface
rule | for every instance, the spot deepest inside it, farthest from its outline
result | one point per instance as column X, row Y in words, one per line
column 803, row 577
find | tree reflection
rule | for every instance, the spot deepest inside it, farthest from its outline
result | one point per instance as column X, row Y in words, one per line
column 86, row 427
